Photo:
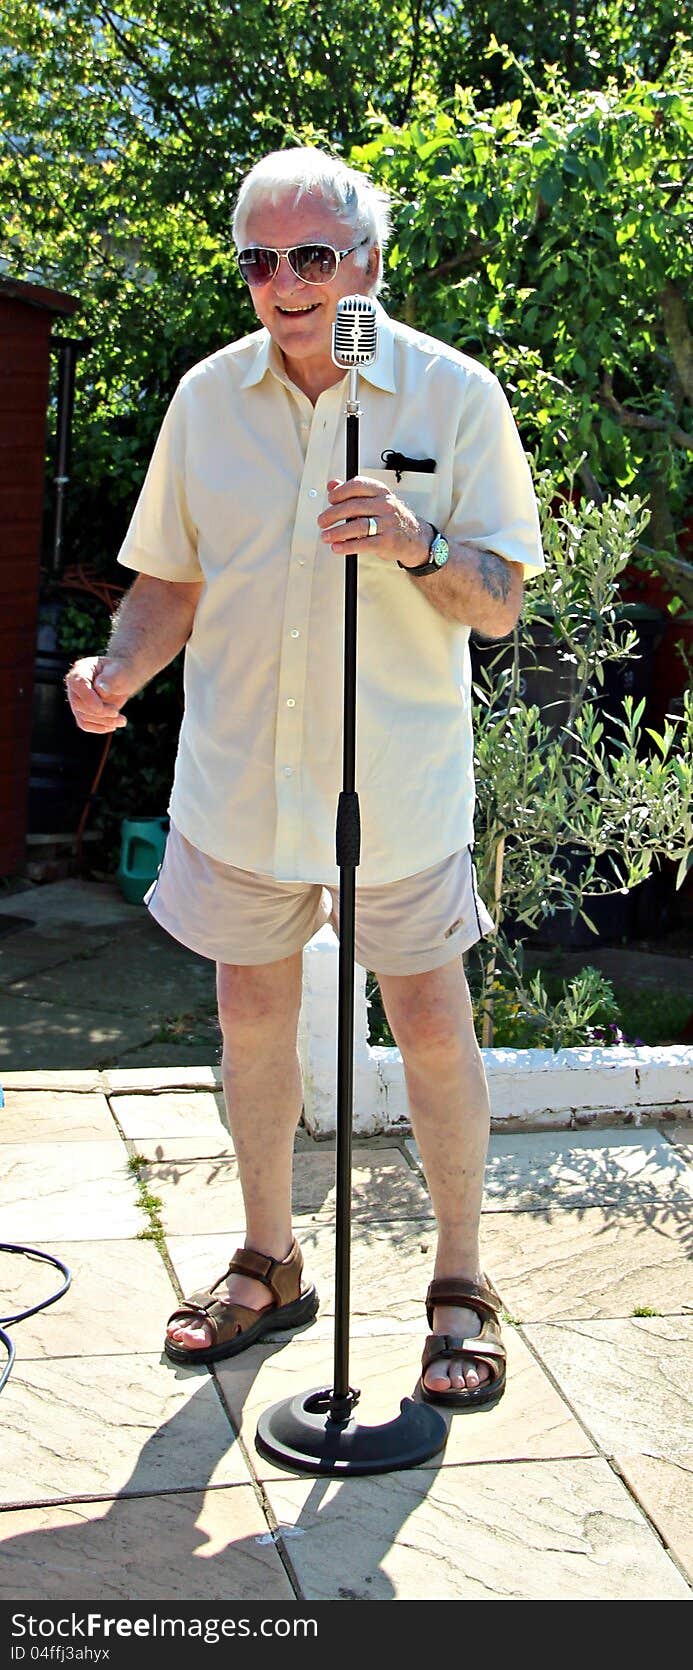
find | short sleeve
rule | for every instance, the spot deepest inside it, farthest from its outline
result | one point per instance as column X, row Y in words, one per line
column 162, row 538
column 494, row 503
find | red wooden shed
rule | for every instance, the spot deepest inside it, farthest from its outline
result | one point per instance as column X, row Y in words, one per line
column 27, row 312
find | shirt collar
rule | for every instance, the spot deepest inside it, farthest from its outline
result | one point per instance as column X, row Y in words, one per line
column 264, row 356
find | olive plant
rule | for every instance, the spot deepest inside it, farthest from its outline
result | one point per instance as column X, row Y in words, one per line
column 580, row 801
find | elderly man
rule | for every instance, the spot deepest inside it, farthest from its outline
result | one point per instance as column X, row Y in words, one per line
column 237, row 539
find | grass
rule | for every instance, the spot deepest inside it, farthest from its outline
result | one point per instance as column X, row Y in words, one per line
column 149, row 1203
column 655, row 1017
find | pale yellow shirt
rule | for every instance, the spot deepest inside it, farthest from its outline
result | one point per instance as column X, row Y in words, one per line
column 232, row 495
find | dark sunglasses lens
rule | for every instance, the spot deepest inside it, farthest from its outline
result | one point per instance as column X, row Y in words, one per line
column 314, row 263
column 258, row 265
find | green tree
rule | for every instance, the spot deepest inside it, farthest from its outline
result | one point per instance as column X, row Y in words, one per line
column 554, row 243
column 541, row 192
column 542, row 204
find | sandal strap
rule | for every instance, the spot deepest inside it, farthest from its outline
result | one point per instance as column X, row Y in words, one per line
column 226, row 1321
column 483, row 1350
column 469, row 1295
column 281, row 1275
column 187, row 1310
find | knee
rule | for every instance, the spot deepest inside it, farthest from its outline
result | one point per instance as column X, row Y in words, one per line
column 258, row 1001
column 430, row 1015
column 423, row 1031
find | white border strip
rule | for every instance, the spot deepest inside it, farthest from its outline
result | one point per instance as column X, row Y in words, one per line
column 528, row 1088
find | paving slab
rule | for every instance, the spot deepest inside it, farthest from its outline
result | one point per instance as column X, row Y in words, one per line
column 43, row 1036
column 530, row 1420
column 216, row 1543
column 142, row 1080
column 134, row 978
column 154, row 1118
column 629, row 1382
column 199, row 1191
column 32, row 950
column 182, row 1042
column 71, row 1078
column 74, row 901
column 107, row 1426
column 682, row 1138
column 543, row 1530
column 68, row 1191
column 533, row 1170
column 178, row 1151
column 56, row 1116
column 597, row 1261
column 118, row 1300
column 665, row 1490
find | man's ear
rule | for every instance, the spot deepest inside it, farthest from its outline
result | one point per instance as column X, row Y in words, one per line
column 373, row 262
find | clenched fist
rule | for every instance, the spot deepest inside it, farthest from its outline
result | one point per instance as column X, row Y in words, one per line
column 96, row 689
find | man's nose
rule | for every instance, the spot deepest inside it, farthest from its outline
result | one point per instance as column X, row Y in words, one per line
column 285, row 279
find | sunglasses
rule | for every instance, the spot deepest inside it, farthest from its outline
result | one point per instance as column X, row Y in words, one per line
column 313, row 263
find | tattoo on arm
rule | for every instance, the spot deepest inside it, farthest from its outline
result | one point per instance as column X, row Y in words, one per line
column 495, row 576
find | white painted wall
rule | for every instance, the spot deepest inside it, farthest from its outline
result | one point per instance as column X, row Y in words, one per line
column 528, row 1088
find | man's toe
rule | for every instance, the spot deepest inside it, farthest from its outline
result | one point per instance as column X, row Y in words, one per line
column 437, row 1377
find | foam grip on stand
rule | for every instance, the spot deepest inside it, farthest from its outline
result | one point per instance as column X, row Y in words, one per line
column 348, row 830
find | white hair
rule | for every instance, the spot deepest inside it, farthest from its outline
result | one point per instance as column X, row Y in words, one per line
column 305, row 171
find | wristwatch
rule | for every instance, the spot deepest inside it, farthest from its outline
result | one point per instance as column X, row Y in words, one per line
column 438, row 553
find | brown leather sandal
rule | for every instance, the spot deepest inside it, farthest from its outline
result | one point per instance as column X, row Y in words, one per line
column 486, row 1347
column 234, row 1326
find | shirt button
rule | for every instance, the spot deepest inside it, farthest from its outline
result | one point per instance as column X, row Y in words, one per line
column 295, row 633
column 288, row 771
column 290, row 702
column 312, row 492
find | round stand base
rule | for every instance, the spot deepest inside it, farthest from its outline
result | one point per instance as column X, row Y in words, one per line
column 301, row 1435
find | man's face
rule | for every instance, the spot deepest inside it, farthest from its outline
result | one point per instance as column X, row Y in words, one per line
column 300, row 316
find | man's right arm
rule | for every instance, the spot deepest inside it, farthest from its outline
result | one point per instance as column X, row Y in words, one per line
column 152, row 623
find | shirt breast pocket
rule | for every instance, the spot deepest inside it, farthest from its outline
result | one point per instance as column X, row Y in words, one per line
column 416, row 489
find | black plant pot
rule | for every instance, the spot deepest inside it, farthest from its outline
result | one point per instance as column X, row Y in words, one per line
column 549, row 682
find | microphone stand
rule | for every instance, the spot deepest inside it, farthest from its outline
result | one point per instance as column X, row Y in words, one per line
column 315, row 1432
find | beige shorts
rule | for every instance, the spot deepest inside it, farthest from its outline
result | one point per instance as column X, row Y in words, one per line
column 238, row 916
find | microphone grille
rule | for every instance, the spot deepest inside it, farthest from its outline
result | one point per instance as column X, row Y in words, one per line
column 354, row 333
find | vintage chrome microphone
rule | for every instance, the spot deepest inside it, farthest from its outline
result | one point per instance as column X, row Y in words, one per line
column 315, row 1432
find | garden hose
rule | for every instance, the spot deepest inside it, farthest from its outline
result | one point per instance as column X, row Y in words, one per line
column 49, row 1258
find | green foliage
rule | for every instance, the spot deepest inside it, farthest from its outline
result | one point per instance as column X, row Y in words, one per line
column 550, row 236
column 542, row 204
column 573, row 803
column 526, row 1017
column 541, row 191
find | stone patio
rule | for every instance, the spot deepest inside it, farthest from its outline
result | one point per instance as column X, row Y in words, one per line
column 133, row 1479
column 130, row 1479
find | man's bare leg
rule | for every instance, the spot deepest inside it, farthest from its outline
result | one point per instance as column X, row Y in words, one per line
column 430, row 1016
column 258, row 1013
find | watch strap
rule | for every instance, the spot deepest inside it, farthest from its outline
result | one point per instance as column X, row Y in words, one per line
column 429, row 567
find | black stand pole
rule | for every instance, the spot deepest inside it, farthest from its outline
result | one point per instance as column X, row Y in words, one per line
column 315, row 1432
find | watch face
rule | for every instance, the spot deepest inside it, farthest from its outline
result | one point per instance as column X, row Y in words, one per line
column 440, row 551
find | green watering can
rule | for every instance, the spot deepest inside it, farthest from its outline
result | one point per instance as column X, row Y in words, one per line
column 142, row 845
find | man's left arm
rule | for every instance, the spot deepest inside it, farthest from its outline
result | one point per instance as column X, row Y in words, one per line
column 477, row 588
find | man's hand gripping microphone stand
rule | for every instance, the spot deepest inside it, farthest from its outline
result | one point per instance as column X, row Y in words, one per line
column 315, row 1432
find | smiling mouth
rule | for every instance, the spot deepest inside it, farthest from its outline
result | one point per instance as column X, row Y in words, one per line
column 295, row 312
